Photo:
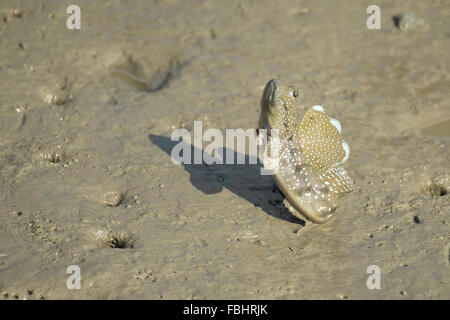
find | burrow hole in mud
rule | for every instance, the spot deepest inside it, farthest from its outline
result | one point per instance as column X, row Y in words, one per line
column 118, row 240
column 435, row 188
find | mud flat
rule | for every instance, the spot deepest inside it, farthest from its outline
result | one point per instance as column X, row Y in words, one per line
column 86, row 177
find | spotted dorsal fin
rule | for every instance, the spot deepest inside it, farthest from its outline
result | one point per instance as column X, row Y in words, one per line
column 324, row 148
column 321, row 140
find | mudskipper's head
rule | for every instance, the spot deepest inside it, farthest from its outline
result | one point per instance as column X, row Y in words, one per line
column 278, row 108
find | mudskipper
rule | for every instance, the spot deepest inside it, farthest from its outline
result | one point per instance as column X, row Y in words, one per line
column 306, row 157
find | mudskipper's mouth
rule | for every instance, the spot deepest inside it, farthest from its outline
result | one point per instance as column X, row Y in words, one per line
column 271, row 90
column 268, row 102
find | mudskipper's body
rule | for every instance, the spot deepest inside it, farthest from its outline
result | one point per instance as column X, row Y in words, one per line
column 306, row 157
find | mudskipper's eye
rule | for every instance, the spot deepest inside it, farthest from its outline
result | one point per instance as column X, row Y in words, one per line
column 295, row 93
